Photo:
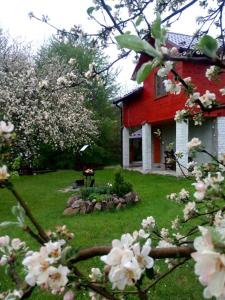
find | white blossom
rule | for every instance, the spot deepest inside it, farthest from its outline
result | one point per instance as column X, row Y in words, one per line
column 6, row 128
column 222, row 91
column 127, row 261
column 172, row 87
column 17, row 244
column 72, row 61
column 172, row 196
column 164, row 233
column 3, row 260
column 201, row 189
column 208, row 99
column 181, row 115
column 210, row 264
column 194, row 144
column 189, row 210
column 43, row 84
column 148, row 223
column 187, row 80
column 175, row 223
column 197, row 173
column 219, row 219
column 4, row 241
column 174, row 51
column 163, row 71
column 164, row 244
column 40, row 270
column 57, row 278
column 69, row 295
column 164, row 50
column 4, row 175
column 211, row 72
column 96, row 274
column 191, row 101
column 183, row 194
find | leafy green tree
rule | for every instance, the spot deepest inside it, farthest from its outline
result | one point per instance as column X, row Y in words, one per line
column 101, row 88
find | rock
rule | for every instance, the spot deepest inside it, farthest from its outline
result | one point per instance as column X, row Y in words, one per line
column 119, row 206
column 70, row 201
column 98, row 206
column 89, row 207
column 69, row 211
column 122, row 200
column 75, row 205
column 78, row 203
column 136, row 199
column 129, row 197
column 83, row 210
column 116, row 200
column 104, row 204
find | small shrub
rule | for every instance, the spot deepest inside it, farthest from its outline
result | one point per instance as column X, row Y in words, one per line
column 120, row 186
column 87, row 193
column 98, row 197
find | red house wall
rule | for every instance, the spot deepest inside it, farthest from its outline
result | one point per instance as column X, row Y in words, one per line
column 149, row 109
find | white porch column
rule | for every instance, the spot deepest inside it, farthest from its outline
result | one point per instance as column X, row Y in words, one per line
column 146, row 147
column 220, row 135
column 126, row 148
column 181, row 145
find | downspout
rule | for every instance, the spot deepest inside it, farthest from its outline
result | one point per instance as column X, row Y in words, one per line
column 121, row 134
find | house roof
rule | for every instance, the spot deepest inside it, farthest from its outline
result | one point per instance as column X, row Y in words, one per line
column 180, row 40
column 129, row 96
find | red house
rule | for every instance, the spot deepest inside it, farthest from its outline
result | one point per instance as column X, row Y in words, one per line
column 149, row 110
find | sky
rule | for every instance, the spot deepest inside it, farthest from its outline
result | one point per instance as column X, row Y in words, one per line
column 64, row 14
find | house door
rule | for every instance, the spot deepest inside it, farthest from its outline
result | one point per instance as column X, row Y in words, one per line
column 156, row 149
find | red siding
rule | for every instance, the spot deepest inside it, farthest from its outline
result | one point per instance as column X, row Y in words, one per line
column 148, row 109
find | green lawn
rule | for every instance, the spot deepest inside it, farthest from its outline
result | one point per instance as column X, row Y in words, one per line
column 42, row 194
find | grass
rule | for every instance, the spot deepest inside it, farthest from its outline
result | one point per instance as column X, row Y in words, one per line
column 47, row 202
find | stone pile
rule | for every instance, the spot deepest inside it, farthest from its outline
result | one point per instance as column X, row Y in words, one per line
column 76, row 205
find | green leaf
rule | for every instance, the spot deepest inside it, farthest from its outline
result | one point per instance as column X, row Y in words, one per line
column 69, row 253
column 135, row 43
column 109, row 7
column 208, row 45
column 158, row 32
column 145, row 70
column 19, row 212
column 90, row 10
column 8, row 223
column 139, row 20
column 156, row 28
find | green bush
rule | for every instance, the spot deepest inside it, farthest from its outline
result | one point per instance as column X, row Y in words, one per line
column 120, row 186
column 87, row 193
column 98, row 197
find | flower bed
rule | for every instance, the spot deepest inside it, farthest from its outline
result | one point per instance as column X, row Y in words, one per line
column 77, row 205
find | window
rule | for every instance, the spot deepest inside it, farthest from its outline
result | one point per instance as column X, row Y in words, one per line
column 159, row 86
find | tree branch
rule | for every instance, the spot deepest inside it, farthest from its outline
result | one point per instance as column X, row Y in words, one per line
column 156, row 253
column 28, row 212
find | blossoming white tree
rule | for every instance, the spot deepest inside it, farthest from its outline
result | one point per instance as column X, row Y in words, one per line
column 44, row 105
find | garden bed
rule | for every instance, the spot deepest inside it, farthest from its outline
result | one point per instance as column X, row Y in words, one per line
column 77, row 205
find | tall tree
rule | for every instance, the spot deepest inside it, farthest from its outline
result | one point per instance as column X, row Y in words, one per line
column 100, row 89
column 39, row 104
